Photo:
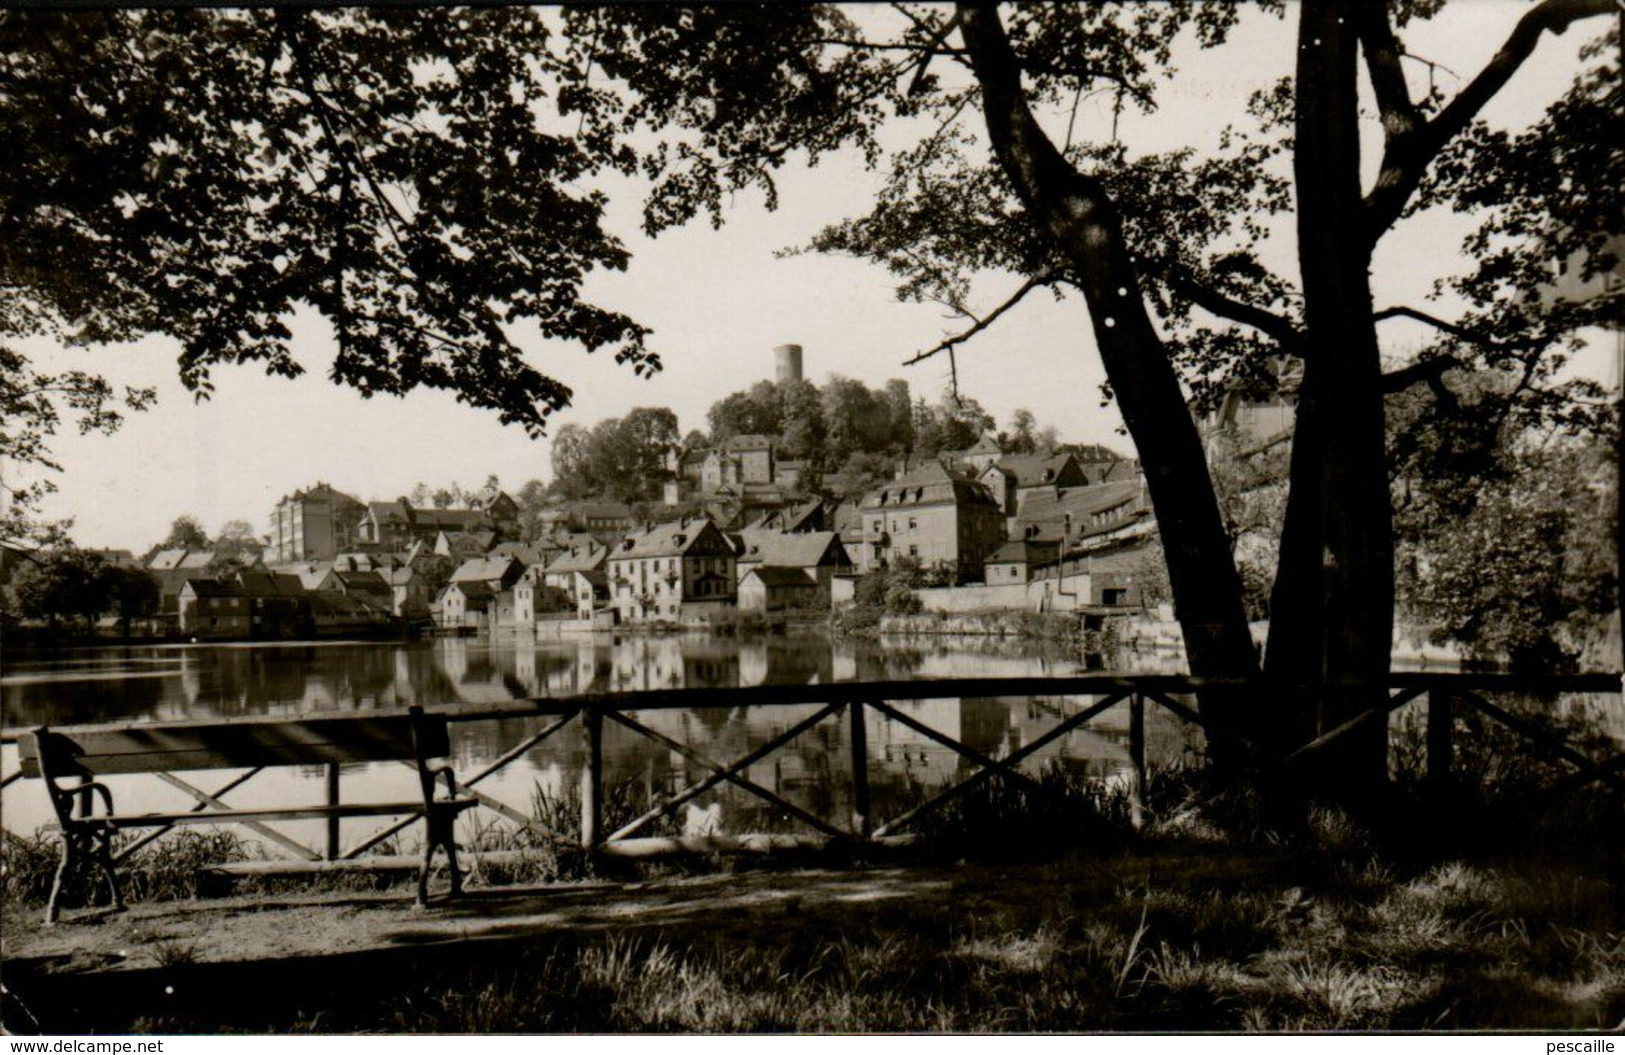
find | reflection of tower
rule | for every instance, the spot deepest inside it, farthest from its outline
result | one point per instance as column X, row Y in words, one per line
column 787, row 363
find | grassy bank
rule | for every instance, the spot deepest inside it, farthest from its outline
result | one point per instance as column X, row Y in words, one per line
column 1174, row 934
column 1025, row 909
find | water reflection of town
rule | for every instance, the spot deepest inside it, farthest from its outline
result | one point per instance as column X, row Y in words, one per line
column 813, row 770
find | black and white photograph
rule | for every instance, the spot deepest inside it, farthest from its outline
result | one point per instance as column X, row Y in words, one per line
column 843, row 519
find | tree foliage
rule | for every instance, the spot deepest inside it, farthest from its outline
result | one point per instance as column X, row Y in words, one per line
column 69, row 584
column 200, row 173
column 620, row 458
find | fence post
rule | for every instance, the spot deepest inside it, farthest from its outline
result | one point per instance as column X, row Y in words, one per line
column 1441, row 745
column 332, row 821
column 862, row 822
column 1136, row 756
column 592, row 779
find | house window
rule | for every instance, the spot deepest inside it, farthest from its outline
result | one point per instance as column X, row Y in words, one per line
column 914, row 551
column 1013, row 572
column 879, row 526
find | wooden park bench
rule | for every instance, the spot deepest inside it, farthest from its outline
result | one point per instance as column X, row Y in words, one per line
column 70, row 758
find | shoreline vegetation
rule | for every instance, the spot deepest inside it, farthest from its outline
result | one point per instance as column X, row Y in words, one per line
column 1483, row 911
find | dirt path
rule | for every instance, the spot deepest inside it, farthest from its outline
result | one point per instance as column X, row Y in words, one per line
column 243, row 929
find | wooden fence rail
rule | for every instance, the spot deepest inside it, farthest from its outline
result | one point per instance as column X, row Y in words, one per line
column 851, row 701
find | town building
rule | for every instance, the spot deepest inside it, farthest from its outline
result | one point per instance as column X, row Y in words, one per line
column 936, row 516
column 369, row 586
column 977, row 457
column 396, row 525
column 464, row 545
column 819, row 555
column 278, row 606
column 1082, row 516
column 313, row 524
column 497, row 573
column 1016, row 477
column 467, row 604
column 604, row 521
column 580, row 572
column 209, row 608
column 670, row 571
column 815, row 514
column 1019, row 561
column 766, row 588
column 172, row 568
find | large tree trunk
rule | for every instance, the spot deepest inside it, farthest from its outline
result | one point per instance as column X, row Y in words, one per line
column 1331, row 617
column 1079, row 215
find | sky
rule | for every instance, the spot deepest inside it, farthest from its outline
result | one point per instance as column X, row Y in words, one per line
column 718, row 301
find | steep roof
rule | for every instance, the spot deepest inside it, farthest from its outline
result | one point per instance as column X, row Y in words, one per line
column 311, row 573
column 270, row 584
column 484, row 569
column 1112, row 471
column 519, row 551
column 1049, row 511
column 792, row 517
column 1034, row 470
column 984, row 444
column 480, row 540
column 1025, row 551
column 931, row 484
column 478, row 591
column 166, row 559
column 396, row 510
column 672, row 539
column 772, row 575
column 172, row 559
column 213, row 588
column 580, row 557
column 806, row 549
column 361, row 580
column 749, row 442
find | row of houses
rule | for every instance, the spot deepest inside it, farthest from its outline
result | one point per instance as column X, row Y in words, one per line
column 959, row 512
column 684, row 570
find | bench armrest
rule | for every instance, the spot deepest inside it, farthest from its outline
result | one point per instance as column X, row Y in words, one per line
column 73, row 793
column 442, row 767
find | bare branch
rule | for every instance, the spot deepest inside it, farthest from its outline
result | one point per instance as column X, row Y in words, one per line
column 1407, row 156
column 1278, row 327
column 980, row 324
column 1471, row 336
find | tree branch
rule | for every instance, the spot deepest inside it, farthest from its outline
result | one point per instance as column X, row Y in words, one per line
column 1471, row 336
column 1429, row 370
column 1278, row 327
column 980, row 324
column 1382, row 60
column 1407, row 156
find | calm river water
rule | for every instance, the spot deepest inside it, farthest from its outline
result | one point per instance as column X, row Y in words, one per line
column 199, row 681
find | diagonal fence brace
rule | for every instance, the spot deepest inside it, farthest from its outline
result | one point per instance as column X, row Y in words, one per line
column 1005, row 766
column 197, row 807
column 270, row 833
column 495, row 805
column 731, row 773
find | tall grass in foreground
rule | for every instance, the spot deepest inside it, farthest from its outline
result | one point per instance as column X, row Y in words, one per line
column 1219, row 944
